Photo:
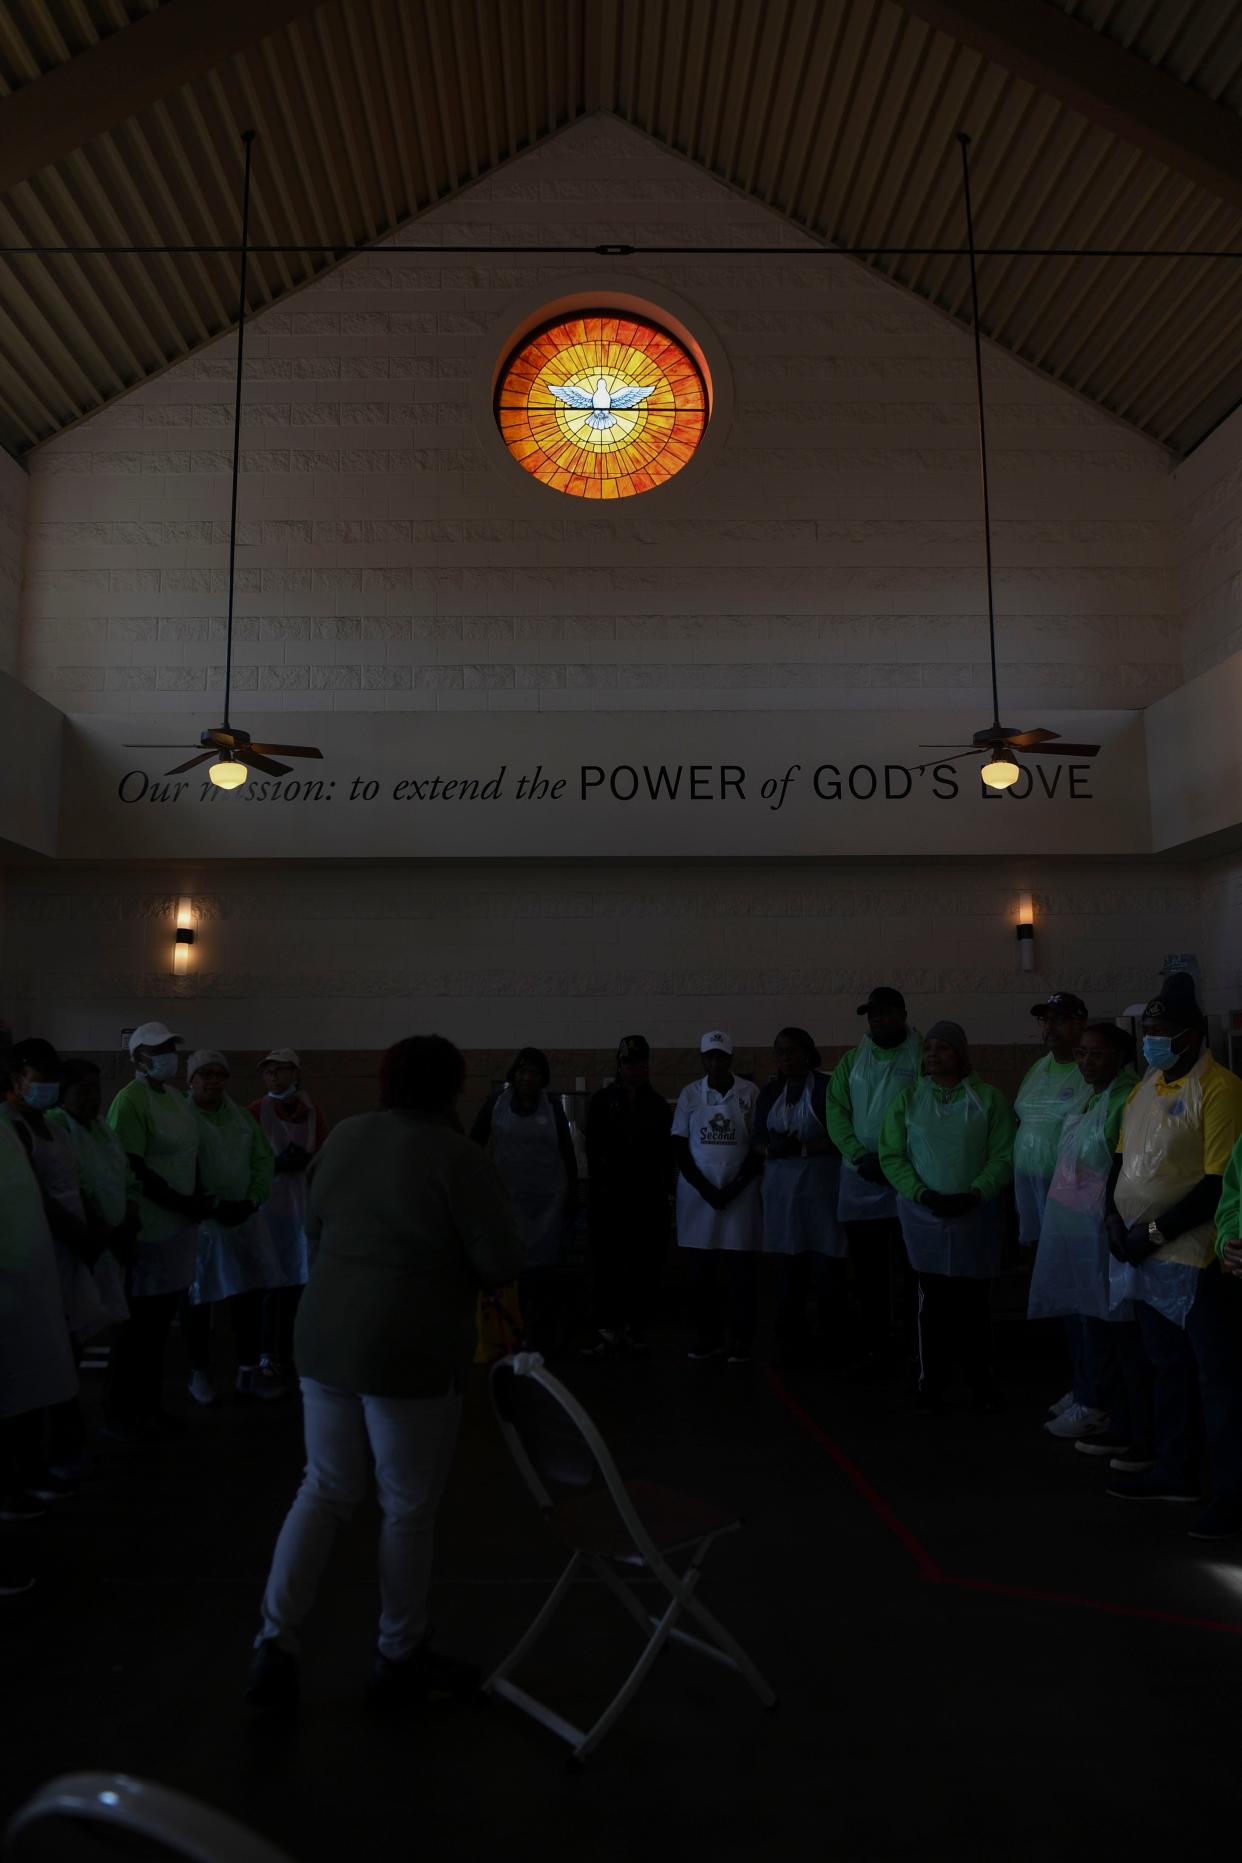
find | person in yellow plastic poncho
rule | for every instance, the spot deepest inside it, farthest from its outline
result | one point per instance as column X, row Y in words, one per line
column 1071, row 1274
column 864, row 1084
column 947, row 1149
column 1177, row 1137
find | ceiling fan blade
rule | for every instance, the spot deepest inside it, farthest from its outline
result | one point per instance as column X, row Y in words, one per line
column 936, row 761
column 286, row 750
column 1027, row 740
column 265, row 764
column 961, row 747
column 159, row 747
column 1068, row 750
column 204, row 756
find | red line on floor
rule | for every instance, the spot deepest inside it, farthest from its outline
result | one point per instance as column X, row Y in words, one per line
column 935, row 1574
column 854, row 1475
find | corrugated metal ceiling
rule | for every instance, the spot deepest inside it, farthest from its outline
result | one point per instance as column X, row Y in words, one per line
column 839, row 114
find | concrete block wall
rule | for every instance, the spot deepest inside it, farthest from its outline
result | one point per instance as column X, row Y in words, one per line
column 351, row 956
column 14, row 494
column 830, row 556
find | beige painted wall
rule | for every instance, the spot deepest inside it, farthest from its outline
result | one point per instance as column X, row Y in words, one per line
column 571, row 956
column 829, row 556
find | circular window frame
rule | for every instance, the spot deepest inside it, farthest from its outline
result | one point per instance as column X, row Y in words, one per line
column 639, row 298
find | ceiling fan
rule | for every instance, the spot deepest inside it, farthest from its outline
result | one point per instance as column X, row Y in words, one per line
column 997, row 742
column 234, row 751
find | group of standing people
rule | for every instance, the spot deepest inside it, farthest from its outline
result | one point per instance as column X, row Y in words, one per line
column 180, row 1202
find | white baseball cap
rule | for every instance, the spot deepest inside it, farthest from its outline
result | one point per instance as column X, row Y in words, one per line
column 716, row 1038
column 150, row 1035
column 282, row 1057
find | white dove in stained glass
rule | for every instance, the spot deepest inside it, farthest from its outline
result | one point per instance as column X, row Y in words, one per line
column 602, row 402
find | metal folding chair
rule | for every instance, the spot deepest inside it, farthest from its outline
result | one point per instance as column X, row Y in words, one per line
column 111, row 1804
column 621, row 1524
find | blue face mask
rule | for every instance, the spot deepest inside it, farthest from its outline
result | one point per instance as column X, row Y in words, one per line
column 1160, row 1051
column 41, row 1095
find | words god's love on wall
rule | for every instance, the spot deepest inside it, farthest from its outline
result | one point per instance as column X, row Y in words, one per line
column 606, row 785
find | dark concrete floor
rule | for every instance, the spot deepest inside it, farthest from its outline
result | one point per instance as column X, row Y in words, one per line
column 916, row 1719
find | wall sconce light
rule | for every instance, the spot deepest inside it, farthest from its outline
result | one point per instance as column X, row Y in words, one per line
column 1026, row 932
column 183, row 938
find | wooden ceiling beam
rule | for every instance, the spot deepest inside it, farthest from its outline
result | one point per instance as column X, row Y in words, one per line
column 1106, row 83
column 64, row 109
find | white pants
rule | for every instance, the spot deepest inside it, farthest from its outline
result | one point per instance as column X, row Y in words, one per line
column 412, row 1440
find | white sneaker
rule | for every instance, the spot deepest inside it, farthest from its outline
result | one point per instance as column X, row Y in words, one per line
column 202, row 1390
column 1074, row 1421
column 1061, row 1406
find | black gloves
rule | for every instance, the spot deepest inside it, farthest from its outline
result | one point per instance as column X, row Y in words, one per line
column 868, row 1167
column 229, row 1213
column 292, row 1158
column 784, row 1145
column 948, row 1205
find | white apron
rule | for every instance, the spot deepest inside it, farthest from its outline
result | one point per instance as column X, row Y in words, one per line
column 285, row 1209
column 239, row 1259
column 1162, row 1160
column 36, row 1360
column 102, row 1176
column 947, row 1145
column 527, row 1153
column 1071, row 1273
column 799, row 1195
column 877, row 1076
column 1045, row 1100
column 56, row 1173
column 719, row 1140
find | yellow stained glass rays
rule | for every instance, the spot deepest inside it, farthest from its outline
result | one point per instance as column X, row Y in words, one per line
column 601, row 406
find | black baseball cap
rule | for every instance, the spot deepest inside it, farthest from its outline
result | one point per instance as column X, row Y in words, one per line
column 633, row 1048
column 883, row 998
column 1060, row 1003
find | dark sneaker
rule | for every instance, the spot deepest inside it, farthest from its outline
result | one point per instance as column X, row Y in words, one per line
column 21, row 1507
column 275, row 1679
column 423, row 1678
column 1116, row 1448
column 49, row 1487
column 1221, row 1520
column 251, row 1382
column 701, row 1353
column 1151, row 1487
column 737, row 1356
column 14, row 1578
column 632, row 1346
column 1135, row 1461
column 605, row 1344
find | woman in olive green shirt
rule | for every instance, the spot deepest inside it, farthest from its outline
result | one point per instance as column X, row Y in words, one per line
column 410, row 1220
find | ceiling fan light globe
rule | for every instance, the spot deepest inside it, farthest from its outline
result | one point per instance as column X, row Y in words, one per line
column 226, row 774
column 1000, row 771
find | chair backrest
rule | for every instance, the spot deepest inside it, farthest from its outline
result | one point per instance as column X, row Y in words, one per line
column 98, row 1814
column 555, row 1443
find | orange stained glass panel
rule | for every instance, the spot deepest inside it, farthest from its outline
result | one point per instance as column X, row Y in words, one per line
column 601, row 405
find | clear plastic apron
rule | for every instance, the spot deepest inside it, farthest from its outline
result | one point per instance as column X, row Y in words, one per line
column 1045, row 1100
column 877, row 1076
column 103, row 1175
column 36, row 1361
column 285, row 1209
column 527, row 1153
column 1162, row 1160
column 947, row 1142
column 1071, row 1273
column 56, row 1172
column 719, row 1139
column 800, row 1194
column 239, row 1259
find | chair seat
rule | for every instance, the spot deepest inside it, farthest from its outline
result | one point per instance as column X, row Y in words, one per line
column 590, row 1522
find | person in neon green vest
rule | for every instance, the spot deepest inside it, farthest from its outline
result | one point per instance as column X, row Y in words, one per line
column 947, row 1149
column 864, row 1084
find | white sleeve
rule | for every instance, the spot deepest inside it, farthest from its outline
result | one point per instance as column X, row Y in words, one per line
column 681, row 1114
